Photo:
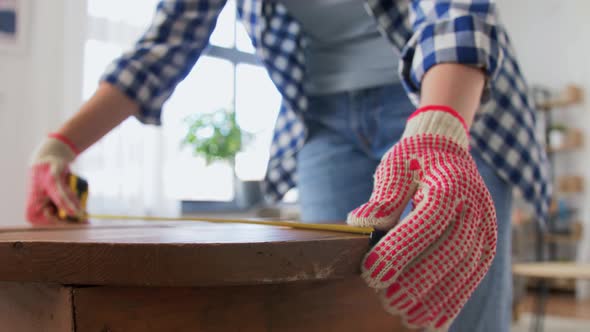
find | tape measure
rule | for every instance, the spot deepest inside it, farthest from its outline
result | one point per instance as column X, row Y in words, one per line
column 80, row 187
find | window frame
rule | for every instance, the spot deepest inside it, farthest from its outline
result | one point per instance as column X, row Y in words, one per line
column 234, row 55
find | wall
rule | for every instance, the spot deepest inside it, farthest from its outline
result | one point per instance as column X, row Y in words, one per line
column 551, row 40
column 36, row 91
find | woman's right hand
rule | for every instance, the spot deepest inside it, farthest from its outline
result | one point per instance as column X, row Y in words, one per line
column 48, row 188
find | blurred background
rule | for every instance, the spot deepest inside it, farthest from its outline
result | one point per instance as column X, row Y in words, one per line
column 53, row 52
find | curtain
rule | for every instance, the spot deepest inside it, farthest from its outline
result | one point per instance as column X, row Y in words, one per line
column 124, row 169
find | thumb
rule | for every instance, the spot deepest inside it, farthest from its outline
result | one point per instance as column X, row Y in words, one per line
column 382, row 214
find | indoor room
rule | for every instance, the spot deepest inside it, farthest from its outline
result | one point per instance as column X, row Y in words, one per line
column 293, row 165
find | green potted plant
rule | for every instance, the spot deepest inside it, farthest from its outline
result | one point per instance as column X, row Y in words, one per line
column 217, row 137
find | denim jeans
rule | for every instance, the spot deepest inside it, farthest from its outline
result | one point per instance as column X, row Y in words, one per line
column 348, row 134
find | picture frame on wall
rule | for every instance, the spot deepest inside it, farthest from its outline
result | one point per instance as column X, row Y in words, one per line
column 13, row 25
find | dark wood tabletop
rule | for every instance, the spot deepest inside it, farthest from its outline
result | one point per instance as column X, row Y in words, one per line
column 136, row 253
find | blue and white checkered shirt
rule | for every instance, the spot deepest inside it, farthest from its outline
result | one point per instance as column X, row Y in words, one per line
column 426, row 33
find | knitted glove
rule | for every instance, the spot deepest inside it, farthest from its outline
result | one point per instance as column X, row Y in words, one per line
column 48, row 189
column 429, row 263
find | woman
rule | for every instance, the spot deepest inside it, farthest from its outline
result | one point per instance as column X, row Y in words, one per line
column 346, row 116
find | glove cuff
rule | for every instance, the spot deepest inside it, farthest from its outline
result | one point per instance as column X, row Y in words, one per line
column 56, row 147
column 438, row 120
column 66, row 141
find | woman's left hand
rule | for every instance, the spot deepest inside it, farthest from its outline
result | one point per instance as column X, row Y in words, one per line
column 429, row 263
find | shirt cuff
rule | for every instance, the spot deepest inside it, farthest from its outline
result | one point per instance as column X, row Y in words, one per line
column 464, row 40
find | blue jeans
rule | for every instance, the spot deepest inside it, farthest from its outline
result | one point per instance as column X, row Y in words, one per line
column 348, row 134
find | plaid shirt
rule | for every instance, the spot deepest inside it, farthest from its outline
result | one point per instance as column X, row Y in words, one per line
column 425, row 32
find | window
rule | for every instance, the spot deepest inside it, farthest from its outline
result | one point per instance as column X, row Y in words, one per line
column 227, row 75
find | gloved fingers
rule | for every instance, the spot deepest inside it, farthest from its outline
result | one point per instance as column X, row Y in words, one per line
column 37, row 199
column 482, row 258
column 43, row 213
column 60, row 193
column 452, row 308
column 50, row 215
column 392, row 190
column 431, row 266
column 36, row 213
column 451, row 284
column 400, row 246
column 435, row 262
column 418, row 197
column 490, row 224
column 382, row 215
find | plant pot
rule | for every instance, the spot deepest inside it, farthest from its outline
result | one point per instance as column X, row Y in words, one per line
column 248, row 193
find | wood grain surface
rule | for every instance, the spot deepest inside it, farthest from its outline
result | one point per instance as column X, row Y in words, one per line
column 179, row 276
column 35, row 307
column 342, row 306
column 176, row 254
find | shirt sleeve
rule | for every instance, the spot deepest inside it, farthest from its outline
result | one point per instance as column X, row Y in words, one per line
column 451, row 31
column 165, row 54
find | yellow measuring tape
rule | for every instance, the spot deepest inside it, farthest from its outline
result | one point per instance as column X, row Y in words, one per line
column 80, row 187
column 292, row 224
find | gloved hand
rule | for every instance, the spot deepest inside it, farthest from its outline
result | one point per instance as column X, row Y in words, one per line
column 429, row 263
column 48, row 189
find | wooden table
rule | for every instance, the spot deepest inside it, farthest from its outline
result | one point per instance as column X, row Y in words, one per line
column 181, row 276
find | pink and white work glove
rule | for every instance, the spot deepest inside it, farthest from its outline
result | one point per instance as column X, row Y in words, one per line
column 429, row 263
column 48, row 188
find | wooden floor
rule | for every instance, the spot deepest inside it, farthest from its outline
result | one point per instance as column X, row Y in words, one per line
column 565, row 306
